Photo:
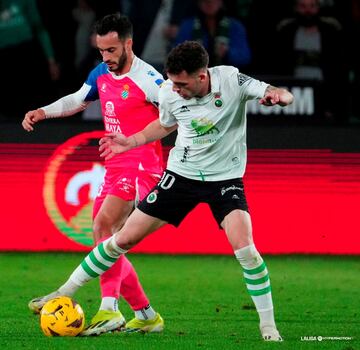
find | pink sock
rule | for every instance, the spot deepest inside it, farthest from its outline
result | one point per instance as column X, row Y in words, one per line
column 122, row 279
column 131, row 289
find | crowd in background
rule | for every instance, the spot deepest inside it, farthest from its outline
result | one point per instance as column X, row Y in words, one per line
column 47, row 47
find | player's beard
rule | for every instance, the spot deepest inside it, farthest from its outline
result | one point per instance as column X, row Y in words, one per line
column 120, row 64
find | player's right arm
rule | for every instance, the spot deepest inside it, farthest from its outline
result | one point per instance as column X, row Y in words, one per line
column 64, row 107
column 115, row 143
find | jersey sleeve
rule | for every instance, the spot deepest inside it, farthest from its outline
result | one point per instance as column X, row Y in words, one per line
column 68, row 105
column 91, row 81
column 153, row 95
column 247, row 87
column 167, row 119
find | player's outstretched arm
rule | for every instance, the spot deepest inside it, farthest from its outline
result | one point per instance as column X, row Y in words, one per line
column 115, row 143
column 276, row 96
column 64, row 107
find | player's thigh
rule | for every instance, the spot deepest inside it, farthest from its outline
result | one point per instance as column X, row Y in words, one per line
column 238, row 228
column 172, row 198
column 112, row 214
column 137, row 227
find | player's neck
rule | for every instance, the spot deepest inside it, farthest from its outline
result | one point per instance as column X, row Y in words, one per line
column 207, row 86
column 127, row 66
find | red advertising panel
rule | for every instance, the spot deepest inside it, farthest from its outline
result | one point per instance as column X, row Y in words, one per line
column 301, row 201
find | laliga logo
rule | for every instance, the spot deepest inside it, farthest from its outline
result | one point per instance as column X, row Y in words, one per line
column 72, row 180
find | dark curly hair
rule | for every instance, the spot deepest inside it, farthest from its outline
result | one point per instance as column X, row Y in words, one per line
column 114, row 23
column 189, row 56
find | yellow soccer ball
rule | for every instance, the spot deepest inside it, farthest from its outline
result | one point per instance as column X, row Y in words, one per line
column 62, row 316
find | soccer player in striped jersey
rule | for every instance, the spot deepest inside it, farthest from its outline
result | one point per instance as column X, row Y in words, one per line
column 127, row 88
column 207, row 106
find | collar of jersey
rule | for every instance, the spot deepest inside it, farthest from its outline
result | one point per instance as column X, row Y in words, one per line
column 122, row 76
column 215, row 82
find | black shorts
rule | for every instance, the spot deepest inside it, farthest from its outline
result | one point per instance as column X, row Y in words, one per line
column 175, row 196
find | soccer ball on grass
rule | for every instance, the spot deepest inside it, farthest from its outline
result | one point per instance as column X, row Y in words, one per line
column 62, row 316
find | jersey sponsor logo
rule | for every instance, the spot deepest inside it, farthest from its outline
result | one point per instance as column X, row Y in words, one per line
column 112, row 128
column 151, row 73
column 110, row 109
column 125, row 92
column 230, row 188
column 70, row 187
column 203, row 126
column 185, row 154
column 242, row 78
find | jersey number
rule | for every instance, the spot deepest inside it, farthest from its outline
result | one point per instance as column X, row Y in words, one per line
column 167, row 181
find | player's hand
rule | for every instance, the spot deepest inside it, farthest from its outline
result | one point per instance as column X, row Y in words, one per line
column 276, row 96
column 31, row 118
column 114, row 143
column 270, row 98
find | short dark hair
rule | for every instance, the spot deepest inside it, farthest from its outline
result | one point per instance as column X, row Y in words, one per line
column 114, row 23
column 189, row 56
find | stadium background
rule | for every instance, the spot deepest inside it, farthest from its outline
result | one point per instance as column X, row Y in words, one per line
column 303, row 172
column 302, row 184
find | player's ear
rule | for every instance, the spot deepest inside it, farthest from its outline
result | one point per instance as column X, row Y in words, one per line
column 128, row 44
column 202, row 75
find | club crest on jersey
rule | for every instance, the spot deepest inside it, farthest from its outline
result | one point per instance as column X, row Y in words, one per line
column 152, row 197
column 125, row 92
column 218, row 101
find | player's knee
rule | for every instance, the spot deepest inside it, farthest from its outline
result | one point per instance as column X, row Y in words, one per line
column 101, row 229
column 125, row 241
column 248, row 256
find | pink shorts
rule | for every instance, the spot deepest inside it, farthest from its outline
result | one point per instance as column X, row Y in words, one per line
column 127, row 184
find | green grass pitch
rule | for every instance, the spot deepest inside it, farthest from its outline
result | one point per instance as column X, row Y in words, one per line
column 202, row 299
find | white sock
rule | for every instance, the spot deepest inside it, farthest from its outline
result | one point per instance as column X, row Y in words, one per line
column 147, row 313
column 267, row 318
column 68, row 288
column 109, row 304
column 99, row 260
column 257, row 282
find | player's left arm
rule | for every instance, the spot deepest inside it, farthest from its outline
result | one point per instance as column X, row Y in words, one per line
column 276, row 96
